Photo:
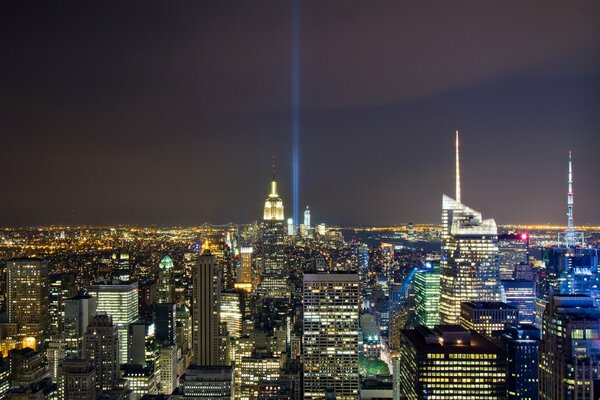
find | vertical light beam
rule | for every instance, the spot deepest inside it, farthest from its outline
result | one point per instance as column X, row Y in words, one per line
column 295, row 106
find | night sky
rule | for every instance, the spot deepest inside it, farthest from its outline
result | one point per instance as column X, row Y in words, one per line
column 169, row 112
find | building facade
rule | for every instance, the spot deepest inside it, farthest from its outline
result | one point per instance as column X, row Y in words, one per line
column 330, row 338
column 449, row 362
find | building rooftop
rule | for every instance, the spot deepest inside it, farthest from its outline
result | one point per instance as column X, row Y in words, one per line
column 488, row 305
column 448, row 339
column 332, row 277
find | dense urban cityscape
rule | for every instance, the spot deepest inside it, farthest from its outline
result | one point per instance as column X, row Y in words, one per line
column 279, row 309
column 300, row 200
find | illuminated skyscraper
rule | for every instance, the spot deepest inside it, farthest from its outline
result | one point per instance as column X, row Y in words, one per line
column 330, row 326
column 101, row 349
column 274, row 282
column 165, row 280
column 306, row 226
column 28, row 294
column 256, row 369
column 570, row 349
column 231, row 313
column 469, row 265
column 79, row 311
column 206, row 306
column 427, row 296
column 244, row 275
column 449, row 362
column 521, row 294
column 168, row 369
column 274, row 203
column 120, row 301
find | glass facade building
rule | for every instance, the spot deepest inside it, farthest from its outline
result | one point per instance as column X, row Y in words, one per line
column 120, row 301
column 427, row 296
column 469, row 265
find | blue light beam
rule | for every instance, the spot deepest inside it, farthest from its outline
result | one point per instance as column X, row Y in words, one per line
column 295, row 106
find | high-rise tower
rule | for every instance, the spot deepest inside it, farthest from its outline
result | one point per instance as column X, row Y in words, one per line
column 274, row 282
column 101, row 349
column 330, row 326
column 570, row 349
column 469, row 266
column 27, row 288
column 165, row 280
column 206, row 309
column 119, row 300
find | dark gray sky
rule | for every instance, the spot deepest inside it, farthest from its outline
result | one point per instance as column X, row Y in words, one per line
column 169, row 112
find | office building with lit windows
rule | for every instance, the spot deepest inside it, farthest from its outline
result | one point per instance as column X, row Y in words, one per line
column 426, row 286
column 521, row 294
column 244, row 277
column 255, row 369
column 485, row 317
column 469, row 265
column 28, row 294
column 79, row 380
column 449, row 362
column 330, row 338
column 231, row 314
column 520, row 343
column 570, row 349
column 119, row 299
column 208, row 382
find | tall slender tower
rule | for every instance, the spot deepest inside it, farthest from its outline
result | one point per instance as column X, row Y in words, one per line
column 469, row 266
column 457, row 179
column 206, row 305
column 570, row 237
column 274, row 282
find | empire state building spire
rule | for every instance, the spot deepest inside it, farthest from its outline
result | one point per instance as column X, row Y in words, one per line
column 273, row 205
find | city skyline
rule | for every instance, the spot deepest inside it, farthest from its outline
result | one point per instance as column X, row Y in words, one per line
column 154, row 117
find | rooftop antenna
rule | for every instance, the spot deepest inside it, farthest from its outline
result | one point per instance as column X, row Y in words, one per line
column 570, row 237
column 457, row 169
column 273, row 182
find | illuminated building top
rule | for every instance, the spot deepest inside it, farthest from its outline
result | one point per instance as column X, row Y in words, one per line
column 274, row 203
column 166, row 263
